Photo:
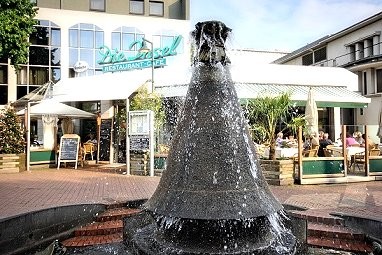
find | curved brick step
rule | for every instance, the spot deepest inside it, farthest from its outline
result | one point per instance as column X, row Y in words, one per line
column 116, row 214
column 339, row 232
column 318, row 217
column 100, row 228
column 82, row 241
column 340, row 244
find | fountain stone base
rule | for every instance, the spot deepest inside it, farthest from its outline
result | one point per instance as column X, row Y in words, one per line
column 143, row 234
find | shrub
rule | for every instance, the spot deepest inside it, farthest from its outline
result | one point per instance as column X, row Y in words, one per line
column 11, row 133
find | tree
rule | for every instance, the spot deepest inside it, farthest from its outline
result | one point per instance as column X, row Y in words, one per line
column 145, row 101
column 11, row 133
column 266, row 113
column 17, row 23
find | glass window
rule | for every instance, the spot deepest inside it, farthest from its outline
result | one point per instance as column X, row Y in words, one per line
column 116, row 40
column 3, row 60
column 56, row 57
column 97, row 5
column 3, row 74
column 38, row 75
column 40, row 36
column 73, row 38
column 320, row 55
column 56, row 37
column 156, row 8
column 38, row 55
column 307, row 60
column 44, row 23
column 22, row 76
column 167, row 41
column 127, row 39
column 87, row 39
column 73, row 56
column 55, row 74
column 99, row 40
column 3, row 94
column 21, row 91
column 87, row 56
column 137, row 7
column 379, row 80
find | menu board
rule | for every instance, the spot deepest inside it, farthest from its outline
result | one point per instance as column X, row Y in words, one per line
column 139, row 142
column 105, row 139
column 69, row 145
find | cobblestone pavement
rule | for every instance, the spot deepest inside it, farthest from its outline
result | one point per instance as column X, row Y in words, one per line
column 40, row 189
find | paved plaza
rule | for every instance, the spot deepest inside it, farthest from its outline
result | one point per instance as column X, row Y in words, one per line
column 46, row 188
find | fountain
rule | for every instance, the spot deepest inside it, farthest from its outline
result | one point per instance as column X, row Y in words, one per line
column 213, row 198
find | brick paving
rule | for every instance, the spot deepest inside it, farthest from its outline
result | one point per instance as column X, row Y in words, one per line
column 46, row 188
column 40, row 189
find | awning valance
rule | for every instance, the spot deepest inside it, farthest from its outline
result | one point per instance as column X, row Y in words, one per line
column 326, row 96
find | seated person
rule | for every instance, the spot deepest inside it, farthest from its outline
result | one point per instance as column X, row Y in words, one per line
column 325, row 141
column 279, row 139
column 91, row 139
column 350, row 141
column 314, row 141
column 358, row 137
column 369, row 141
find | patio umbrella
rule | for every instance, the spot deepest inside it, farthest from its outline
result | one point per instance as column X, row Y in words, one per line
column 311, row 114
column 379, row 132
column 52, row 107
column 67, row 125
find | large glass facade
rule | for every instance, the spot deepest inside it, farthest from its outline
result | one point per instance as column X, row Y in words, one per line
column 123, row 37
column 3, row 81
column 84, row 43
column 44, row 58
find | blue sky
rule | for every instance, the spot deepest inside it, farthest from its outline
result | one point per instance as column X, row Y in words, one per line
column 283, row 25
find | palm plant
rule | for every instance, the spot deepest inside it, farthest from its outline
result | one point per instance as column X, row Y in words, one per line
column 266, row 113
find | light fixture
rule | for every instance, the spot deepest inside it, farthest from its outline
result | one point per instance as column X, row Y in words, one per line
column 145, row 49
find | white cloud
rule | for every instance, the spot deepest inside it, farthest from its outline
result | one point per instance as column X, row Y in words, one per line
column 282, row 25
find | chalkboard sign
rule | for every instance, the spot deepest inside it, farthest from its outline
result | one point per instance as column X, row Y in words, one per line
column 69, row 145
column 105, row 139
column 139, row 142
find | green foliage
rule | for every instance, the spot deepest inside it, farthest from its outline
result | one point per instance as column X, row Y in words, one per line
column 11, row 133
column 266, row 113
column 145, row 101
column 17, row 20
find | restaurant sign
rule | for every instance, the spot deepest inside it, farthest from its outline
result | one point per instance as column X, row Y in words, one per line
column 115, row 60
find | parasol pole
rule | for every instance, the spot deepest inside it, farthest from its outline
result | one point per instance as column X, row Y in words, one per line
column 28, row 136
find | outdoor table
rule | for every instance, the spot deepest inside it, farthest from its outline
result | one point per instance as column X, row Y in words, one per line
column 351, row 152
column 282, row 152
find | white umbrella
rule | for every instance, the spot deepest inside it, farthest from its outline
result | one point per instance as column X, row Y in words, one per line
column 67, row 125
column 52, row 107
column 311, row 114
column 379, row 132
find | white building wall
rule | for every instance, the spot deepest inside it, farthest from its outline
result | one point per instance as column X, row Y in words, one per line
column 108, row 23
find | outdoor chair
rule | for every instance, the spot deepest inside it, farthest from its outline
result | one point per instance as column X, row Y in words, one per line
column 359, row 158
column 328, row 152
column 88, row 149
column 310, row 153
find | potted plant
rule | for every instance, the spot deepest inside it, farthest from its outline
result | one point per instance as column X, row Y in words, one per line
column 12, row 143
column 267, row 115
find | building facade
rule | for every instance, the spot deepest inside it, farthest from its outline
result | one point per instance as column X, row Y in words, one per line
column 71, row 31
column 358, row 49
column 86, row 38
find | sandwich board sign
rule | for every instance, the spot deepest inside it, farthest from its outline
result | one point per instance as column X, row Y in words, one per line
column 69, row 146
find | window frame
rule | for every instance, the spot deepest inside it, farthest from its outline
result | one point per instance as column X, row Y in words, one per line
column 91, row 8
column 137, row 1
column 156, row 2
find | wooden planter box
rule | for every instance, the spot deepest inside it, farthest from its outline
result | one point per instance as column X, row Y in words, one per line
column 12, row 163
column 278, row 172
